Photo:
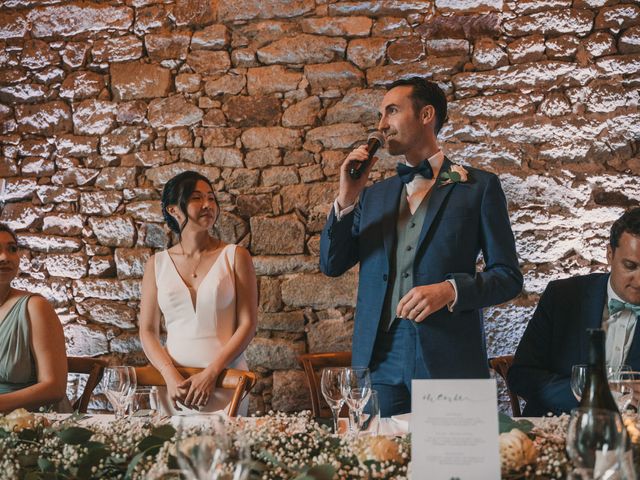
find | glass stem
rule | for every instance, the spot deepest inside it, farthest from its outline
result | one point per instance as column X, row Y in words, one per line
column 335, row 412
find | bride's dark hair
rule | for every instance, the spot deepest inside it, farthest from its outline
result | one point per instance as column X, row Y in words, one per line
column 177, row 191
column 5, row 228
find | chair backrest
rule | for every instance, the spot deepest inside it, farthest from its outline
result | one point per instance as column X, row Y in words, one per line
column 501, row 366
column 241, row 381
column 94, row 367
column 312, row 364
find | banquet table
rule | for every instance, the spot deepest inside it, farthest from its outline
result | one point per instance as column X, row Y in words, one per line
column 395, row 426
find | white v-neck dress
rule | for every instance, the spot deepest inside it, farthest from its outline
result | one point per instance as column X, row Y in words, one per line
column 195, row 336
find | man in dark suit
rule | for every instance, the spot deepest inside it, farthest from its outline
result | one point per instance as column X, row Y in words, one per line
column 556, row 337
column 416, row 237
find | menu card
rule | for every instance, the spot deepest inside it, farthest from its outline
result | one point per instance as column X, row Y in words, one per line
column 454, row 429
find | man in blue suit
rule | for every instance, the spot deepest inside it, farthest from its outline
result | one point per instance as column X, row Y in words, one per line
column 556, row 337
column 416, row 237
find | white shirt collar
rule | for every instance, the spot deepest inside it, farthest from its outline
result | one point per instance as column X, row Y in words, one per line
column 419, row 183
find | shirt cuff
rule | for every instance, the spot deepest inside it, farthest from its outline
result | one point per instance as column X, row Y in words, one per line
column 345, row 211
column 452, row 305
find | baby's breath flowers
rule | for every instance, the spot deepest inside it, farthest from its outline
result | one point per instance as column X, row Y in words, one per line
column 278, row 446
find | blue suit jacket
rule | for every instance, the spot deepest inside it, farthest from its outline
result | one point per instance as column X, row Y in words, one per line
column 556, row 339
column 461, row 220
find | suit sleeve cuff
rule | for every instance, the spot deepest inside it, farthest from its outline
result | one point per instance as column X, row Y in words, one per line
column 345, row 211
column 452, row 304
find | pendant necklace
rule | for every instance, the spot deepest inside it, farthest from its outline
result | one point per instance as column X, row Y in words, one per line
column 194, row 273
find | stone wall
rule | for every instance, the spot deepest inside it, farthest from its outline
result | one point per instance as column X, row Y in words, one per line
column 102, row 102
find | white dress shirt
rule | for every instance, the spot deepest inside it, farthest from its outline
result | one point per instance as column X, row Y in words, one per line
column 620, row 329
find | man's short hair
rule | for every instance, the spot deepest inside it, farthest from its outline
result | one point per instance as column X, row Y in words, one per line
column 425, row 92
column 629, row 222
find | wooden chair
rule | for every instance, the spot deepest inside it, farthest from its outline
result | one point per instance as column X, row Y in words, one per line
column 501, row 366
column 242, row 381
column 312, row 364
column 94, row 367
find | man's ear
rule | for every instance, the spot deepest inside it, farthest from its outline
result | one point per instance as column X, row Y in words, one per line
column 428, row 114
column 609, row 254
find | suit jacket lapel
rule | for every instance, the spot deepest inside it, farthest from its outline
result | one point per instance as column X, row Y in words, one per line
column 389, row 208
column 591, row 311
column 436, row 199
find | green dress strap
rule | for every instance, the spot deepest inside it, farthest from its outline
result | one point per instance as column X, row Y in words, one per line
column 17, row 365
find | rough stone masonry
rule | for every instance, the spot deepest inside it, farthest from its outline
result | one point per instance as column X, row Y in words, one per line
column 102, row 102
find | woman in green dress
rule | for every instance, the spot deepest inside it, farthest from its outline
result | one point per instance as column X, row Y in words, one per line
column 33, row 361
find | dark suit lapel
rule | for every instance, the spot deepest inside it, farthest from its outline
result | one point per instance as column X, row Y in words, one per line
column 591, row 311
column 438, row 195
column 390, row 206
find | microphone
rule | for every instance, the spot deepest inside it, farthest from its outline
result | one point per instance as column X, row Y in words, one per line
column 374, row 142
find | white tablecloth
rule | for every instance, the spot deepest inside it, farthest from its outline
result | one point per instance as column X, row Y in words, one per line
column 398, row 425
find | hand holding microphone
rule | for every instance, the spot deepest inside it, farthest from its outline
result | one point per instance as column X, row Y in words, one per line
column 356, row 168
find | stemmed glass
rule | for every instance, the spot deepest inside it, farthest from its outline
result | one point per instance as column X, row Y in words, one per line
column 356, row 389
column 133, row 385
column 331, row 386
column 119, row 384
column 595, row 443
column 202, row 455
column 578, row 380
column 625, row 387
column 579, row 377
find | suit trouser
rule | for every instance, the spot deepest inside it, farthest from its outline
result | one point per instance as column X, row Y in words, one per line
column 397, row 359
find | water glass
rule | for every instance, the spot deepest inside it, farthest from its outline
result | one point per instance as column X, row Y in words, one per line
column 145, row 402
column 117, row 386
column 596, row 443
column 331, row 387
column 356, row 389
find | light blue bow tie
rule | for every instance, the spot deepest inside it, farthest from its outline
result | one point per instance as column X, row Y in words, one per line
column 616, row 306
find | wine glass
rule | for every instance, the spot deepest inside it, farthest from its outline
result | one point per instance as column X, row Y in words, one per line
column 331, row 386
column 356, row 389
column 595, row 443
column 372, row 408
column 625, row 387
column 578, row 380
column 579, row 377
column 116, row 384
column 202, row 452
column 133, row 385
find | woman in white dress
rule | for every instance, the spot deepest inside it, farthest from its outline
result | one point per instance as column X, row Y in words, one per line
column 207, row 293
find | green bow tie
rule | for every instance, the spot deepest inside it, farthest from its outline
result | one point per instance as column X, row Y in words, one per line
column 616, row 306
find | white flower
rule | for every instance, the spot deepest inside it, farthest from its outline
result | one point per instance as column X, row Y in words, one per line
column 20, row 419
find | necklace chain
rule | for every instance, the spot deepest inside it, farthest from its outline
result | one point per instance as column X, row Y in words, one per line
column 194, row 273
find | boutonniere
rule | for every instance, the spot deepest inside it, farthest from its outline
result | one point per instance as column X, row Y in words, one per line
column 455, row 174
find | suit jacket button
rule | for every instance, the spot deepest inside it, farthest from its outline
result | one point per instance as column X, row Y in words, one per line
column 385, row 277
column 405, row 275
